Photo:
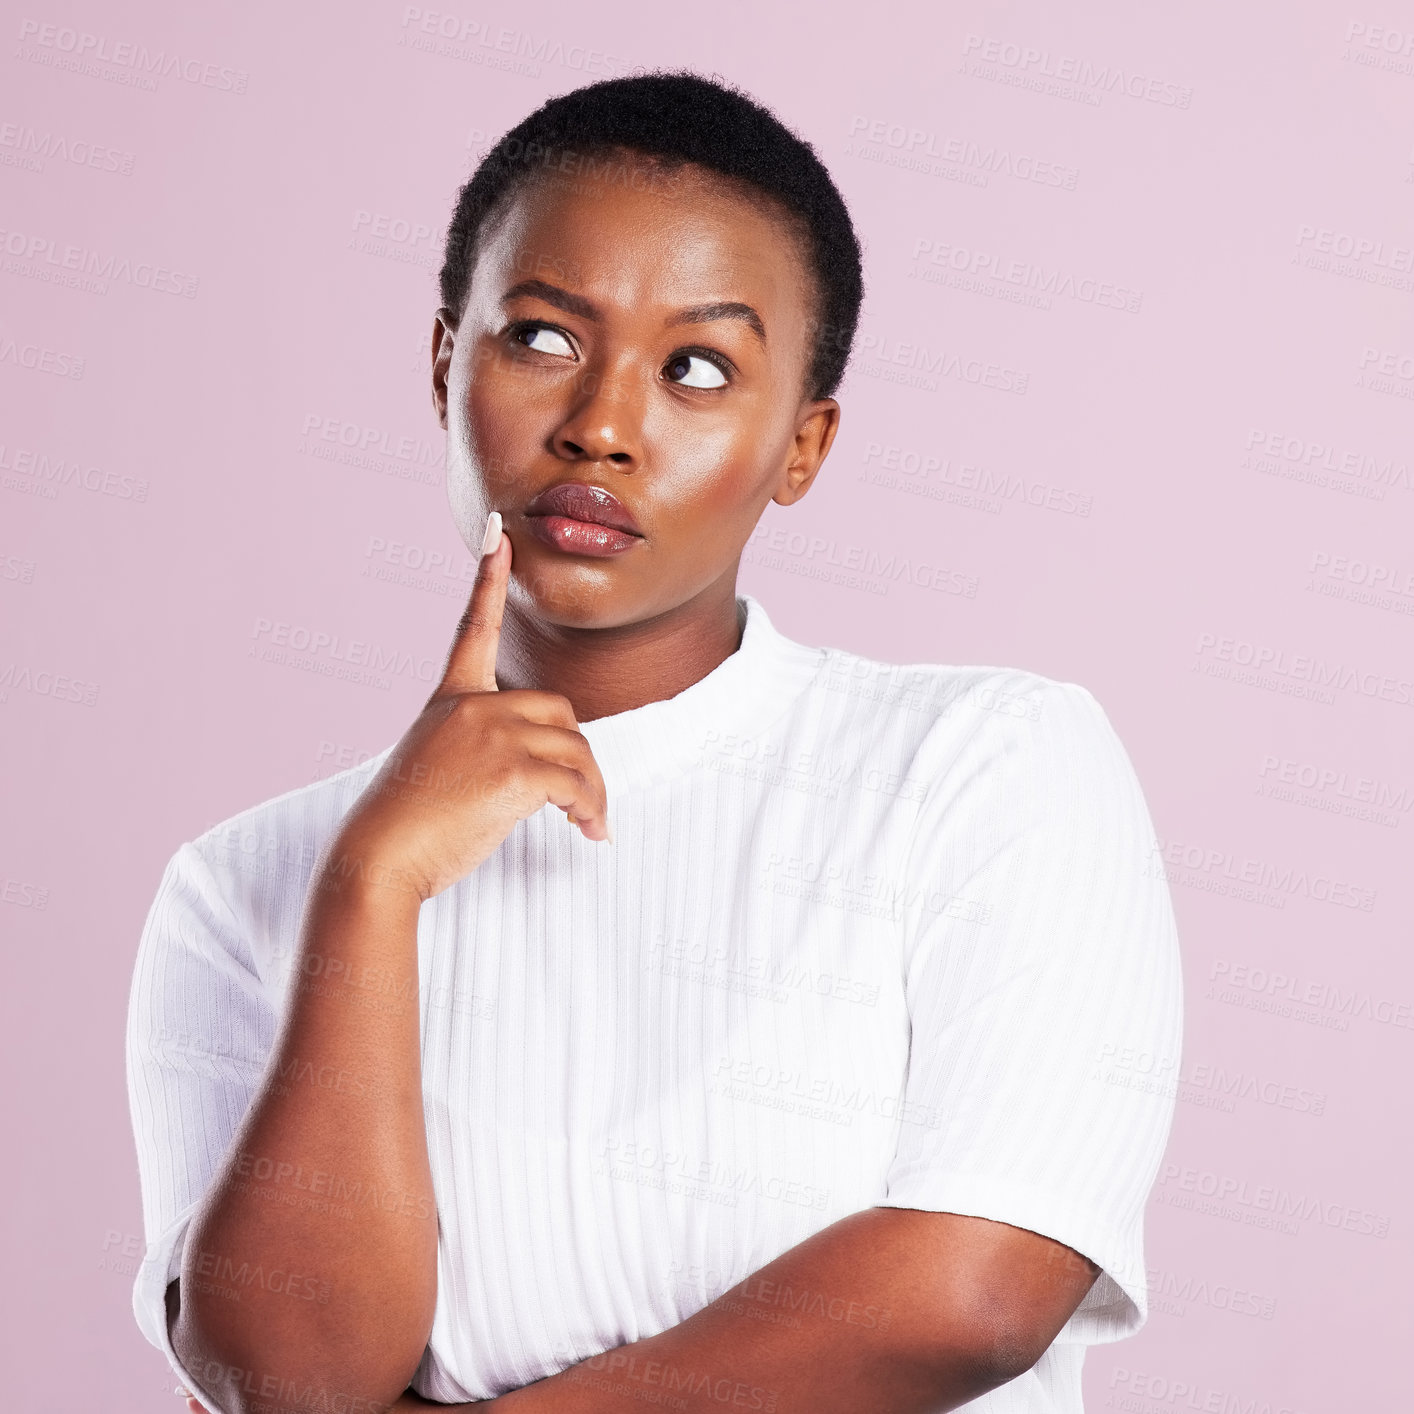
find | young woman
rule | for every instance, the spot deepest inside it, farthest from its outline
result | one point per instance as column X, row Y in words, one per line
column 675, row 1013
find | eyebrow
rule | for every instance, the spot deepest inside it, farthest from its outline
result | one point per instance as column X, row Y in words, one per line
column 587, row 309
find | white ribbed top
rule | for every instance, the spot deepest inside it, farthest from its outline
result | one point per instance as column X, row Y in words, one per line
column 868, row 934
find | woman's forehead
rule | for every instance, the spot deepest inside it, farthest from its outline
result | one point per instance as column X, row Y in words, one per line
column 687, row 238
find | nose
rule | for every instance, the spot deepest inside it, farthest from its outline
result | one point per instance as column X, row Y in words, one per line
column 605, row 420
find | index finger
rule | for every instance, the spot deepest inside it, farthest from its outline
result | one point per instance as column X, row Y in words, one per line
column 471, row 664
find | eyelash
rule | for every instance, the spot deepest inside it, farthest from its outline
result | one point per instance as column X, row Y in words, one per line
column 520, row 326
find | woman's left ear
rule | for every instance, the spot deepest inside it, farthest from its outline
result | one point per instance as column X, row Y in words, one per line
column 813, row 437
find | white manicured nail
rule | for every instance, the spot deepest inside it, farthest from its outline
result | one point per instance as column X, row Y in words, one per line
column 492, row 538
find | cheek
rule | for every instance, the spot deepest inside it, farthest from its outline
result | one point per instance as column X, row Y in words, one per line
column 501, row 431
column 719, row 463
column 716, row 512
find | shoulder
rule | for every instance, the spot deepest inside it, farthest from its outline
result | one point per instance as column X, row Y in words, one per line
column 305, row 815
column 936, row 711
column 990, row 743
column 253, row 868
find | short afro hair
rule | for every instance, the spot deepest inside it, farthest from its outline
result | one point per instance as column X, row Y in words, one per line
column 671, row 117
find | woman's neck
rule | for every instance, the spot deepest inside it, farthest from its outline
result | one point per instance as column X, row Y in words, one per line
column 604, row 671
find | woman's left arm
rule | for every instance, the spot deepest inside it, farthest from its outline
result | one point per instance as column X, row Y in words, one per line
column 894, row 1310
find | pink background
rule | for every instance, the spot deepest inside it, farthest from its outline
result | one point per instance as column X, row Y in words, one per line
column 1209, row 435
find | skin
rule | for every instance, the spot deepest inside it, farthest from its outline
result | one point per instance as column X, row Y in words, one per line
column 695, row 465
column 550, row 640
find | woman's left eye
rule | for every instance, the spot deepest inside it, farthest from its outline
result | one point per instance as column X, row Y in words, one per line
column 709, row 373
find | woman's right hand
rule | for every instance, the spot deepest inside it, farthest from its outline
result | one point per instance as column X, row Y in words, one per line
column 474, row 762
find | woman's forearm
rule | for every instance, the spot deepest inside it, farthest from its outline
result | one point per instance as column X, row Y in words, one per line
column 312, row 1260
column 891, row 1310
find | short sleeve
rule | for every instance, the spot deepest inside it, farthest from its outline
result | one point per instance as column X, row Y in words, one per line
column 199, row 1030
column 1040, row 950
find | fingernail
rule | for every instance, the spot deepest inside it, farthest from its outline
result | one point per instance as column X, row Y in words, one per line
column 608, row 832
column 492, row 538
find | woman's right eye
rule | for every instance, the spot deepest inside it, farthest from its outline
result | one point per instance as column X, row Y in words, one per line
column 538, row 331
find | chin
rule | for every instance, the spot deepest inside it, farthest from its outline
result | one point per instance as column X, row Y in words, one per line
column 567, row 594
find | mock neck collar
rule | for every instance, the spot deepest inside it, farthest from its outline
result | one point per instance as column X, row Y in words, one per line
column 741, row 696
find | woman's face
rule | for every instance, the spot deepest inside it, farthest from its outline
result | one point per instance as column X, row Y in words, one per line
column 588, row 354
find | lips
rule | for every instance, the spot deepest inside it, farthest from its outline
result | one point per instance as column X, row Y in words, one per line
column 577, row 501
